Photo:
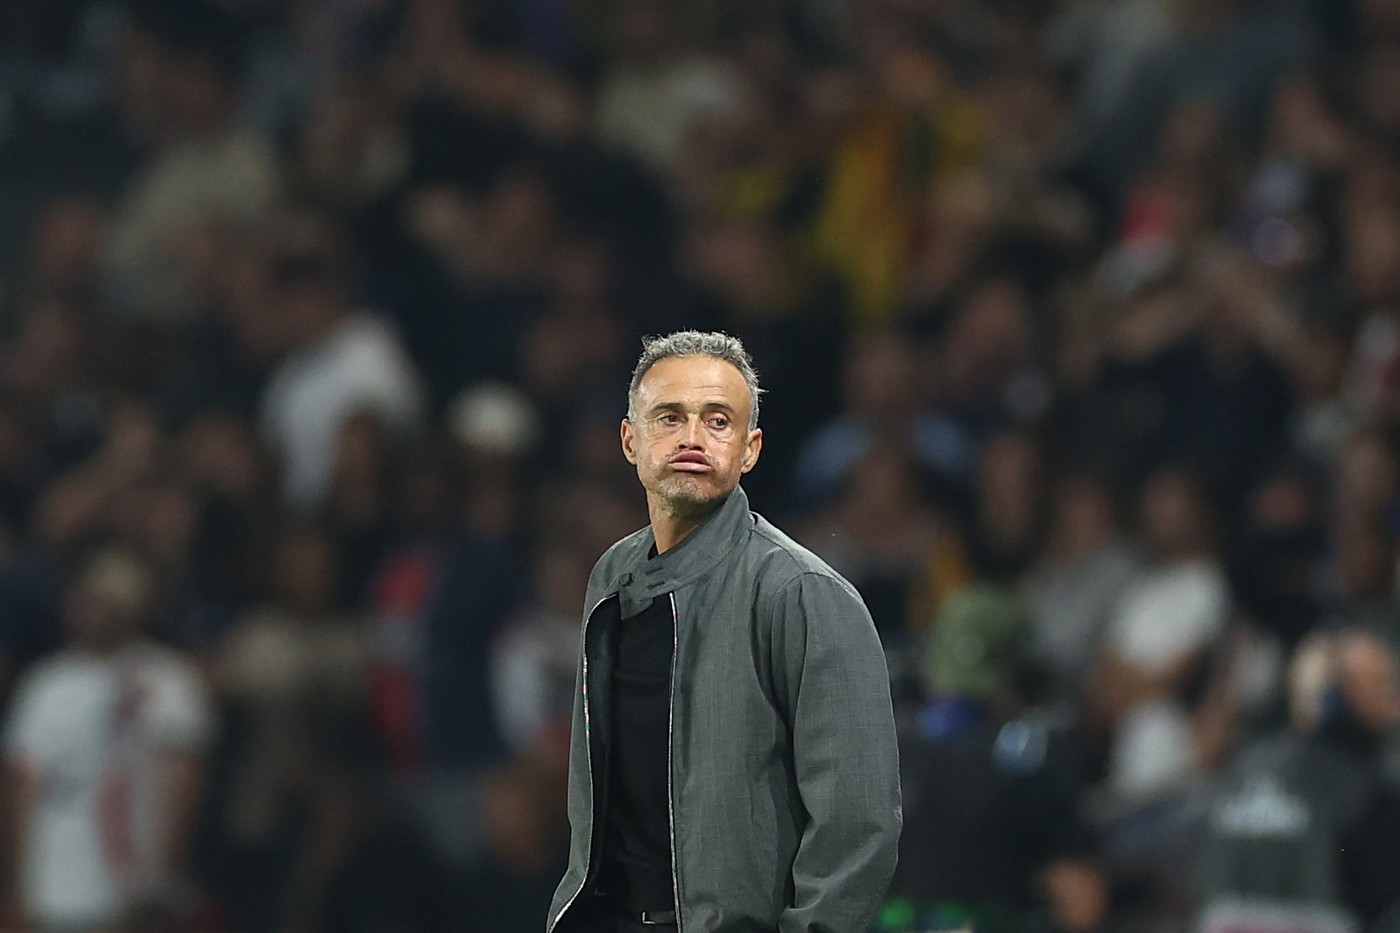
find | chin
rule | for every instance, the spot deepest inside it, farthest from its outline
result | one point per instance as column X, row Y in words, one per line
column 687, row 496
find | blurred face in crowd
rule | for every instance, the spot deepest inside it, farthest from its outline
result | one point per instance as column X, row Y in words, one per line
column 1083, row 517
column 197, row 96
column 1175, row 523
column 881, row 375
column 642, row 32
column 306, row 572
column 1372, row 236
column 1370, row 681
column 1380, row 17
column 1367, row 475
column 1304, row 123
column 1010, row 475
column 107, row 604
column 989, row 339
column 48, row 349
column 881, row 486
column 222, row 453
column 304, row 313
column 68, row 245
column 1366, row 552
column 690, row 441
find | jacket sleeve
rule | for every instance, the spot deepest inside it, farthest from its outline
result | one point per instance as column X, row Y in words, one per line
column 835, row 689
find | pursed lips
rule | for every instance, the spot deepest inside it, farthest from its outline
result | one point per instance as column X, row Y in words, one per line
column 690, row 462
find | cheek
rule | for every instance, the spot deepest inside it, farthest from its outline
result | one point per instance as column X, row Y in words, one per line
column 731, row 460
column 651, row 458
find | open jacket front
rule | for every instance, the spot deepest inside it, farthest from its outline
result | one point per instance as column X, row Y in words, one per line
column 784, row 773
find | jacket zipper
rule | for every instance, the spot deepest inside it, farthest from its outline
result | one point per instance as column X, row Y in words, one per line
column 670, row 745
column 588, row 757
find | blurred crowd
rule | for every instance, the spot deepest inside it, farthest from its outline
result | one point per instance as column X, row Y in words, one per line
column 1080, row 325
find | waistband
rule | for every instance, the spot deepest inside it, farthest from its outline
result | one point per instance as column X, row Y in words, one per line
column 654, row 918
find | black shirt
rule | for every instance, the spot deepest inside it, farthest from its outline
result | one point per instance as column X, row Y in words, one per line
column 636, row 862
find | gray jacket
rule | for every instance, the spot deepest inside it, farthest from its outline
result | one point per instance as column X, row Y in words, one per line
column 784, row 773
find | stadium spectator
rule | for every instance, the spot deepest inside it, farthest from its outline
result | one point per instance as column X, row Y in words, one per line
column 1077, row 582
column 883, row 404
column 208, row 165
column 508, row 888
column 904, row 556
column 992, row 837
column 339, row 362
column 1299, row 833
column 1170, row 616
column 999, row 262
column 104, row 759
column 1005, row 514
column 533, row 659
column 291, row 675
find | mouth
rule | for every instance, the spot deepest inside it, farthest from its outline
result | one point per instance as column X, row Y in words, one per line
column 690, row 463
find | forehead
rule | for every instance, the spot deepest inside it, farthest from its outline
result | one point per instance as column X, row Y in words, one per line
column 677, row 378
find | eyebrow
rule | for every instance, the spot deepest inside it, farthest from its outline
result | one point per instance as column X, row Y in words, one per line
column 680, row 407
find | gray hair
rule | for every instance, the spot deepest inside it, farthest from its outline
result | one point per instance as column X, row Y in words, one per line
column 714, row 344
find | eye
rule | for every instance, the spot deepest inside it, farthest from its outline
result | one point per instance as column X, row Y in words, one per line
column 719, row 422
column 669, row 417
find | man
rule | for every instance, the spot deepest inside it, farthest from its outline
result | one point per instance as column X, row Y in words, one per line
column 340, row 362
column 734, row 762
column 1302, row 831
column 103, row 762
column 207, row 166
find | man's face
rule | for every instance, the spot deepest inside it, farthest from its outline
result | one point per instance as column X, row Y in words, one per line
column 691, row 440
column 1371, row 681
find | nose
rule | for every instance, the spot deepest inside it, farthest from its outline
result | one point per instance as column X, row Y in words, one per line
column 690, row 437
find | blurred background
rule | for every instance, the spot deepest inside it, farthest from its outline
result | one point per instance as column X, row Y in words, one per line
column 1080, row 321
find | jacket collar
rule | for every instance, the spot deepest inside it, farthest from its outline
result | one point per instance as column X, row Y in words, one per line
column 644, row 578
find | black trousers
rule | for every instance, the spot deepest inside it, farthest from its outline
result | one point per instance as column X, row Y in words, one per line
column 593, row 913
column 624, row 925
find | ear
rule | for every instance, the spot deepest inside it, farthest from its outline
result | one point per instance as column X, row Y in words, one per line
column 752, row 448
column 629, row 441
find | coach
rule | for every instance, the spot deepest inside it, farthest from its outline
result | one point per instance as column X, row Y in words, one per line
column 733, row 762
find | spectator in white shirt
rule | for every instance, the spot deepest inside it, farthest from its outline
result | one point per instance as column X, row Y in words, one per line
column 1164, row 626
column 339, row 362
column 1077, row 583
column 103, row 762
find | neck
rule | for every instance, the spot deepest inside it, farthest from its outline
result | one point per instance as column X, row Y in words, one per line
column 101, row 648
column 1071, row 549
column 327, row 323
column 670, row 525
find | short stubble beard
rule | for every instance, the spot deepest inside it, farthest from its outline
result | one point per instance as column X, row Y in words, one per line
column 685, row 504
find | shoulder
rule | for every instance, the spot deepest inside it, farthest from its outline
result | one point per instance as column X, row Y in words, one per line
column 783, row 558
column 42, row 700
column 161, row 658
column 167, row 668
column 784, row 567
column 1202, row 578
column 45, row 678
column 177, row 710
column 367, row 339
